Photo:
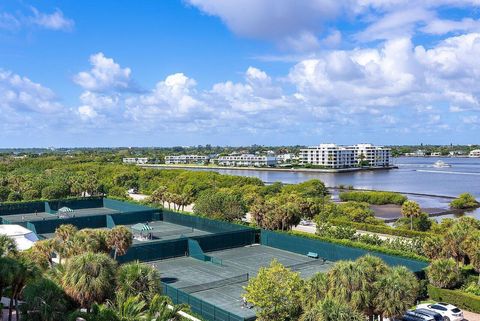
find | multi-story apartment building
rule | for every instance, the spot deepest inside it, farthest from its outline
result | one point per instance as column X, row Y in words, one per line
column 328, row 155
column 135, row 160
column 247, row 160
column 186, row 159
column 474, row 153
column 376, row 156
column 334, row 156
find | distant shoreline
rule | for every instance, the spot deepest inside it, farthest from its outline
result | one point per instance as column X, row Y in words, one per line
column 273, row 169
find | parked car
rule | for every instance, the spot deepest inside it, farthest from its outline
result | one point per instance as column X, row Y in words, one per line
column 437, row 316
column 449, row 312
column 411, row 317
column 417, row 316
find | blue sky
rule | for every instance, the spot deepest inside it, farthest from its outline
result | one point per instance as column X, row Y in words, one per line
column 238, row 72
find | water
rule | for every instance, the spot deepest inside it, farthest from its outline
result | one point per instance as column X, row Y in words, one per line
column 414, row 175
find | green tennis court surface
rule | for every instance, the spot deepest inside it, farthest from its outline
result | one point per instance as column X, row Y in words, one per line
column 222, row 285
column 161, row 230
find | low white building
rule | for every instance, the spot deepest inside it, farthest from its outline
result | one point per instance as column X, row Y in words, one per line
column 474, row 153
column 23, row 237
column 135, row 160
column 247, row 160
column 285, row 158
column 335, row 156
column 186, row 159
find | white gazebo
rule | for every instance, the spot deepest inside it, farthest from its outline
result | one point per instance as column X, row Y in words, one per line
column 21, row 235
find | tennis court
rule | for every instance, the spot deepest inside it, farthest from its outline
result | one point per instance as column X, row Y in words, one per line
column 161, row 230
column 222, row 285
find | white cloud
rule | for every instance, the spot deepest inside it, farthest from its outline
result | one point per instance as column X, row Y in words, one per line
column 35, row 18
column 105, row 75
column 443, row 26
column 53, row 21
column 20, row 94
column 87, row 112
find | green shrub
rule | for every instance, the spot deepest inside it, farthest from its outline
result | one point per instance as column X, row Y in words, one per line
column 463, row 300
column 464, row 201
column 473, row 288
column 373, row 197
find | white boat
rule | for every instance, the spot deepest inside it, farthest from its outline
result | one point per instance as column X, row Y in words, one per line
column 441, row 164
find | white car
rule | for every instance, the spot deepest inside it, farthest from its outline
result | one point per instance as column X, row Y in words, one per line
column 449, row 312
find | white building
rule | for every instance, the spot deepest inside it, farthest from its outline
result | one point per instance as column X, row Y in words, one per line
column 23, row 237
column 334, row 156
column 186, row 159
column 285, row 158
column 135, row 160
column 418, row 153
column 376, row 156
column 474, row 153
column 247, row 160
column 328, row 155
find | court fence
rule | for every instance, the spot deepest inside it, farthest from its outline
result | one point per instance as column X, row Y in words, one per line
column 330, row 251
column 204, row 309
column 202, row 223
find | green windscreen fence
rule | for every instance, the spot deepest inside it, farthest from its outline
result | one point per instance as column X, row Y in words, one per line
column 331, row 251
column 226, row 240
column 206, row 310
column 21, row 208
column 156, row 250
column 200, row 223
column 124, row 206
column 130, row 218
column 81, row 222
column 76, row 204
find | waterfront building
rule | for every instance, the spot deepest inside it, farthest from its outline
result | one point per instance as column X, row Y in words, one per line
column 417, row 153
column 135, row 160
column 285, row 158
column 335, row 156
column 475, row 153
column 247, row 160
column 186, row 159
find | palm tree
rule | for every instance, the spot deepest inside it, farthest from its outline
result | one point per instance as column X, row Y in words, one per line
column 159, row 195
column 130, row 309
column 397, row 291
column 473, row 251
column 411, row 209
column 7, row 246
column 137, row 278
column 64, row 235
column 347, row 282
column 44, row 300
column 8, row 268
column 119, row 239
column 22, row 273
column 331, row 309
column 161, row 308
column 373, row 269
column 89, row 278
column 316, row 289
column 43, row 250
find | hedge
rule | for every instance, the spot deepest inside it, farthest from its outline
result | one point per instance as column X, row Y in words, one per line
column 463, row 300
column 383, row 229
column 374, row 197
column 367, row 247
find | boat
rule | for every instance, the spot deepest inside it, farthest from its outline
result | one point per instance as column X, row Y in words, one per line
column 441, row 164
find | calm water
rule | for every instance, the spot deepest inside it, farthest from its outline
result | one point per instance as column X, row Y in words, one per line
column 414, row 175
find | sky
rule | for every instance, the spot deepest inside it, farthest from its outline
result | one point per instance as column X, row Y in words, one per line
column 238, row 72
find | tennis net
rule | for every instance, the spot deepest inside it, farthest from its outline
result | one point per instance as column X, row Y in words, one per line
column 215, row 284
